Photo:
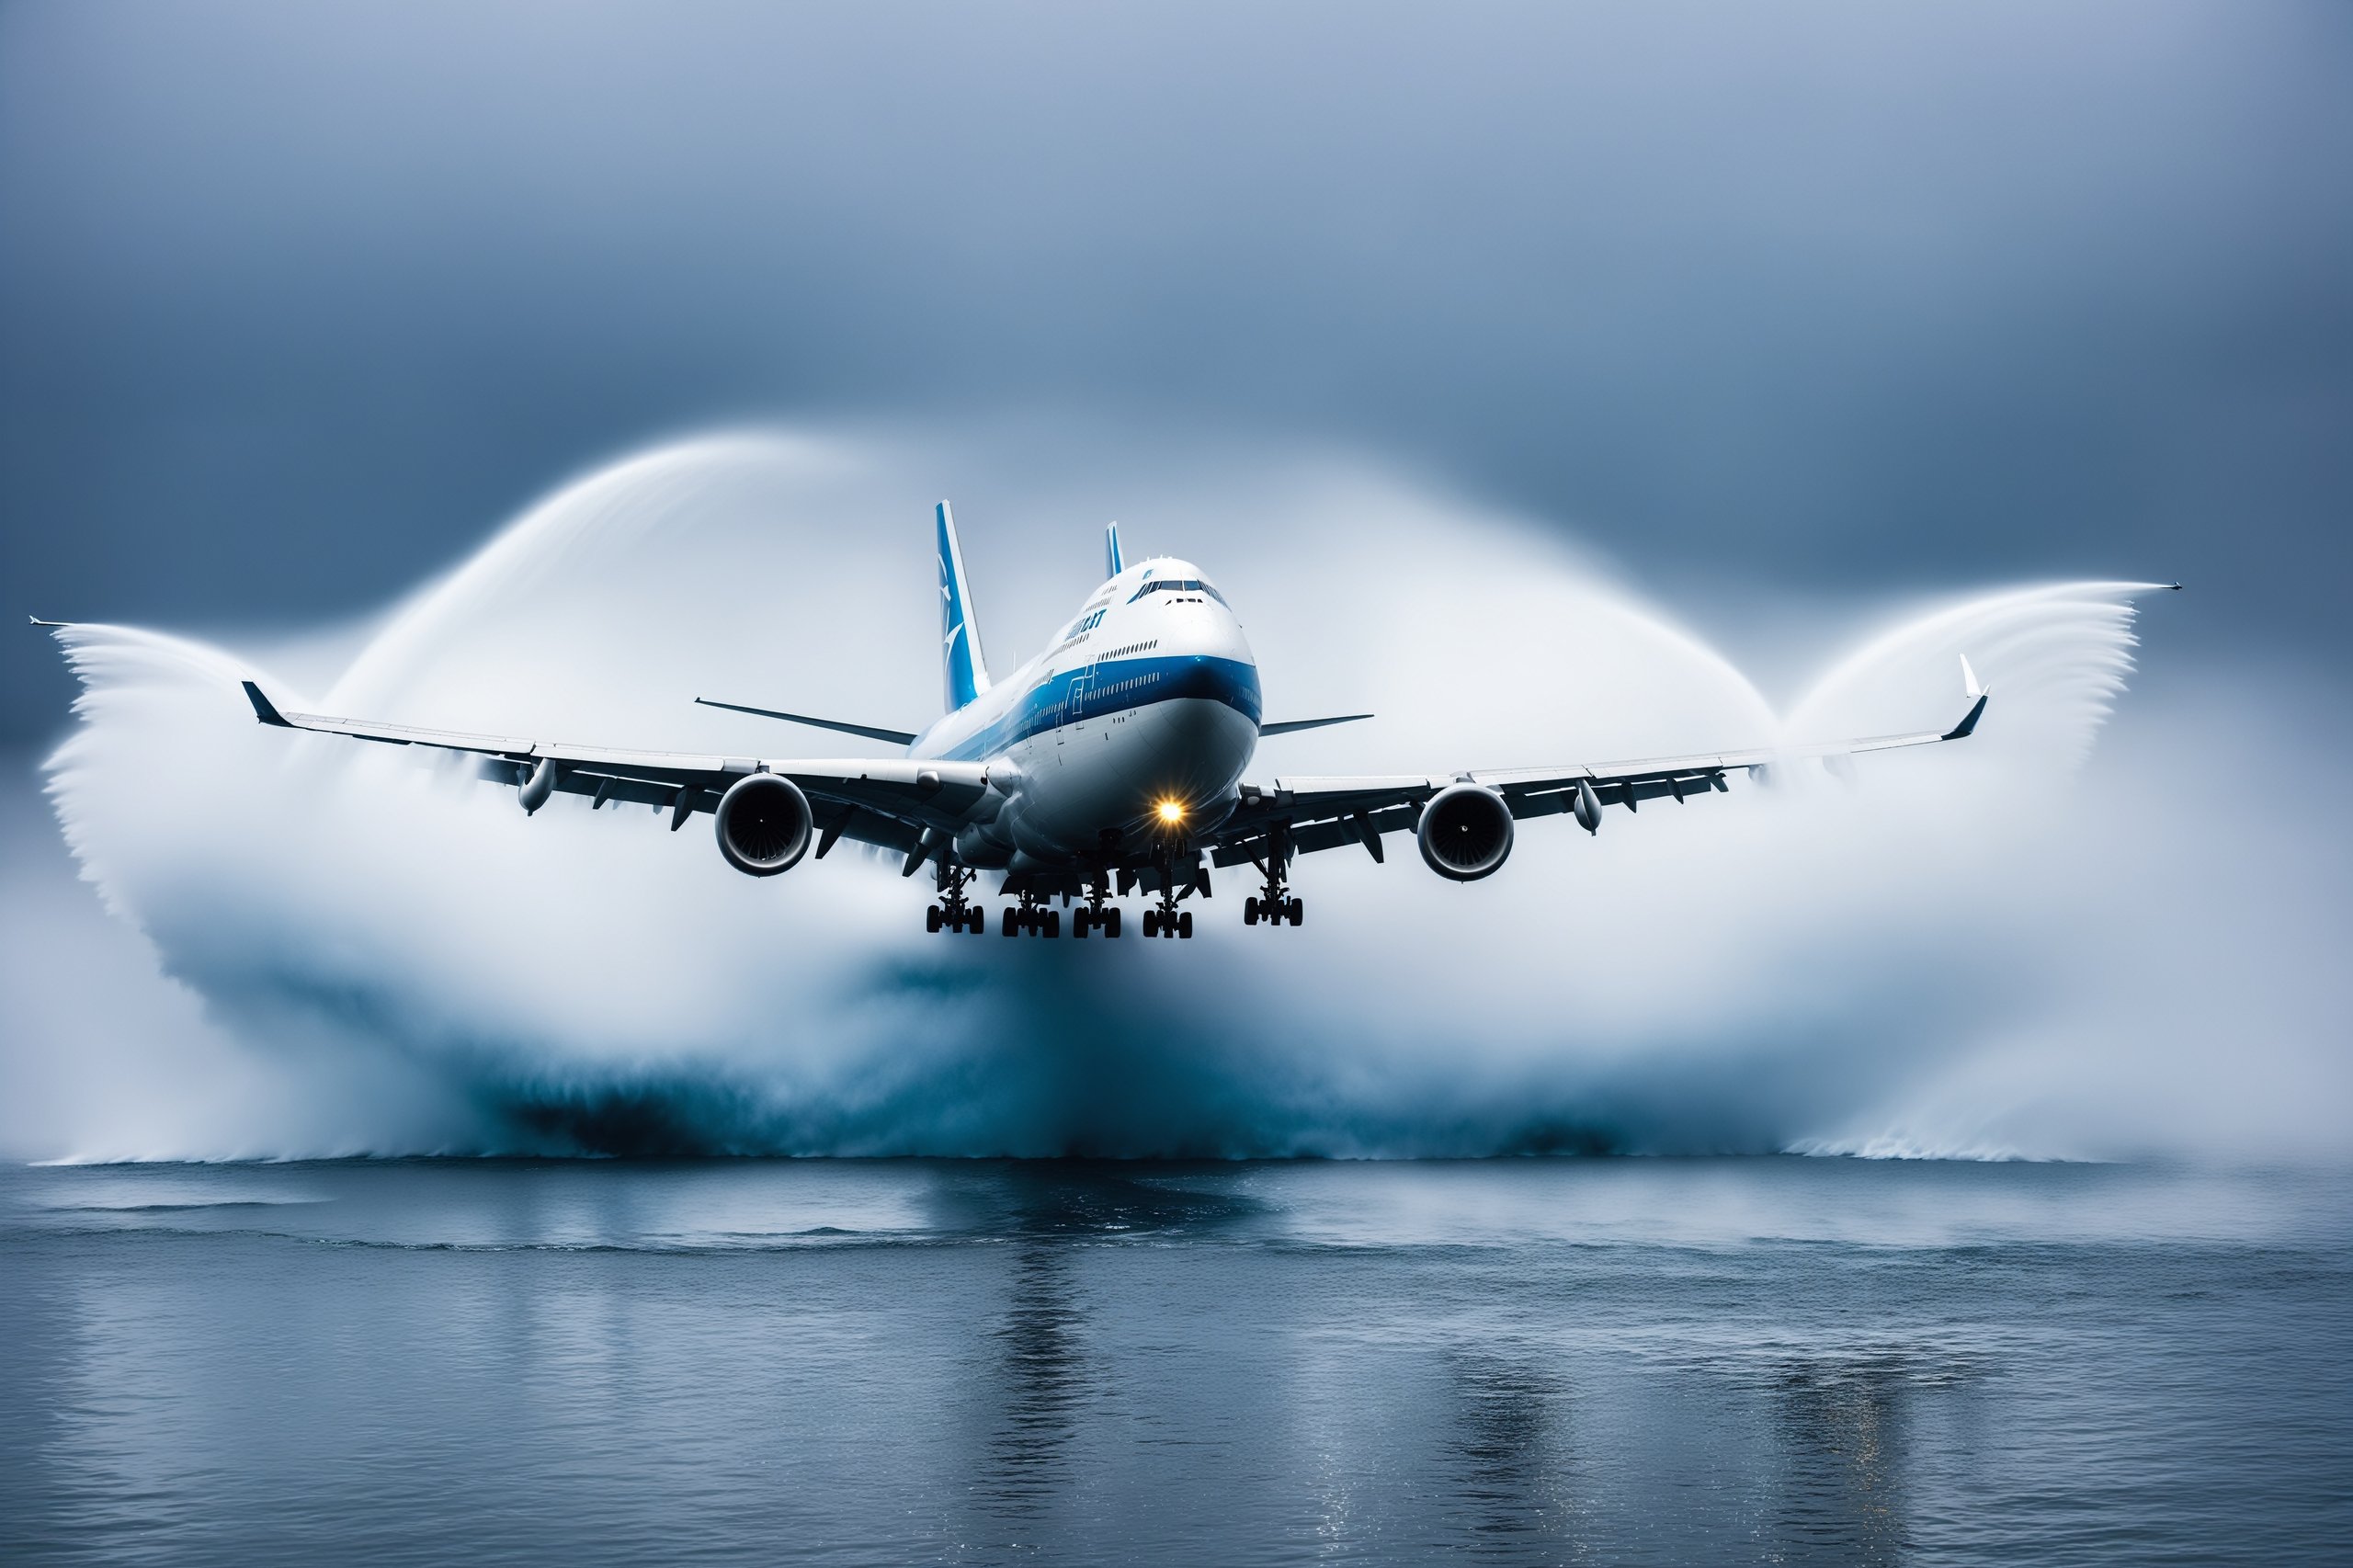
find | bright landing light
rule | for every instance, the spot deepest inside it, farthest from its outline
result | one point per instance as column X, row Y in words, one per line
column 1172, row 811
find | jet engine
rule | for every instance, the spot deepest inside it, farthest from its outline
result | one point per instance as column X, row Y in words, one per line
column 1465, row 832
column 763, row 825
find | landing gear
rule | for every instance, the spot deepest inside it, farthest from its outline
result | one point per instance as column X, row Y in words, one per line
column 954, row 912
column 1165, row 923
column 1034, row 917
column 1098, row 916
column 1163, row 920
column 1275, row 903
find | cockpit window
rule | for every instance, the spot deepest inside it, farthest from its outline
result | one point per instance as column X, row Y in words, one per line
column 1180, row 585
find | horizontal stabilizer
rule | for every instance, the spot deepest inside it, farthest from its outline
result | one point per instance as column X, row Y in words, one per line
column 872, row 731
column 1290, row 726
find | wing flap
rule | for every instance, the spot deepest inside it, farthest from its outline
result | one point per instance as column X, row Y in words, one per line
column 1316, row 813
column 910, row 794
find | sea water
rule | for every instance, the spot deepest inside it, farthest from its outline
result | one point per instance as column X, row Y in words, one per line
column 1623, row 1361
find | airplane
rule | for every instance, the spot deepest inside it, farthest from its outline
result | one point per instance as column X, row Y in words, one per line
column 1110, row 764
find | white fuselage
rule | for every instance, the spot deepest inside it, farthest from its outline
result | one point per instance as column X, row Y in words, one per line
column 1134, row 727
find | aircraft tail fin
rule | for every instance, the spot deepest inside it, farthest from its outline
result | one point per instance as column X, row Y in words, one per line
column 1112, row 563
column 963, row 669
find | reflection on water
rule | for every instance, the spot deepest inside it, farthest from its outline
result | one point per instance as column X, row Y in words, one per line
column 1840, row 1440
column 1077, row 1364
column 1042, row 1374
column 1514, row 1478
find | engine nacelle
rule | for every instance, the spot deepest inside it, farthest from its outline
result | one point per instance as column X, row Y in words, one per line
column 539, row 786
column 763, row 825
column 1465, row 833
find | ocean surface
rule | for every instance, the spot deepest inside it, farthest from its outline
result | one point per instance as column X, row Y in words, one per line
column 1614, row 1361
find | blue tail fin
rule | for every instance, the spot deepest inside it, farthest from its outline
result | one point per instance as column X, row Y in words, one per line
column 1112, row 564
column 965, row 670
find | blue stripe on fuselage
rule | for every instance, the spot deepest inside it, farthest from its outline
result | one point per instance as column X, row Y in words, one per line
column 1099, row 691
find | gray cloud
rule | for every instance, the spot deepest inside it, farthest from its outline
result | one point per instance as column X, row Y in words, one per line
column 294, row 302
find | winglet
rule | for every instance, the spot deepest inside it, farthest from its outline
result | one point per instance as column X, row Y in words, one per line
column 1112, row 563
column 1978, row 693
column 264, row 709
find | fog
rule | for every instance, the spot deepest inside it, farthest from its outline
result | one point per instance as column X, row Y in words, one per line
column 2105, row 927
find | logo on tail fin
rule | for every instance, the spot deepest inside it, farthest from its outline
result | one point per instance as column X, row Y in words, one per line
column 965, row 673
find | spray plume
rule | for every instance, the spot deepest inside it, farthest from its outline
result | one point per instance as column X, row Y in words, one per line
column 1879, row 970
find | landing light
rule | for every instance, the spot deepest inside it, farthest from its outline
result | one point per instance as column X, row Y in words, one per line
column 1172, row 811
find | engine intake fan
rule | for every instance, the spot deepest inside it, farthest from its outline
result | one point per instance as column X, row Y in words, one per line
column 763, row 825
column 1465, row 833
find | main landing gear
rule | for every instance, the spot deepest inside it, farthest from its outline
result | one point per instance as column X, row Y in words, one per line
column 954, row 912
column 1033, row 917
column 1169, row 923
column 1273, row 911
column 1275, row 904
column 1095, row 916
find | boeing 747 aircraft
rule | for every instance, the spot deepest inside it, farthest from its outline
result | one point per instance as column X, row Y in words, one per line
column 1110, row 764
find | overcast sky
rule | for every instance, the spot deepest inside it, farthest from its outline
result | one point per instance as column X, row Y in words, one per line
column 299, row 303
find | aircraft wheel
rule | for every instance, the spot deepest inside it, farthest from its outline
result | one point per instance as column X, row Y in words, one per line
column 1185, row 924
column 1250, row 910
column 1012, row 923
column 1110, row 923
column 1053, row 923
column 1297, row 909
column 1152, row 922
column 931, row 919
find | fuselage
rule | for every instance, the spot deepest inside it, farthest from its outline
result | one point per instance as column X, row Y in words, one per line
column 1133, row 727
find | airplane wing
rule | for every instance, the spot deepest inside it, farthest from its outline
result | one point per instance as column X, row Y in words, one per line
column 893, row 802
column 1302, row 816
